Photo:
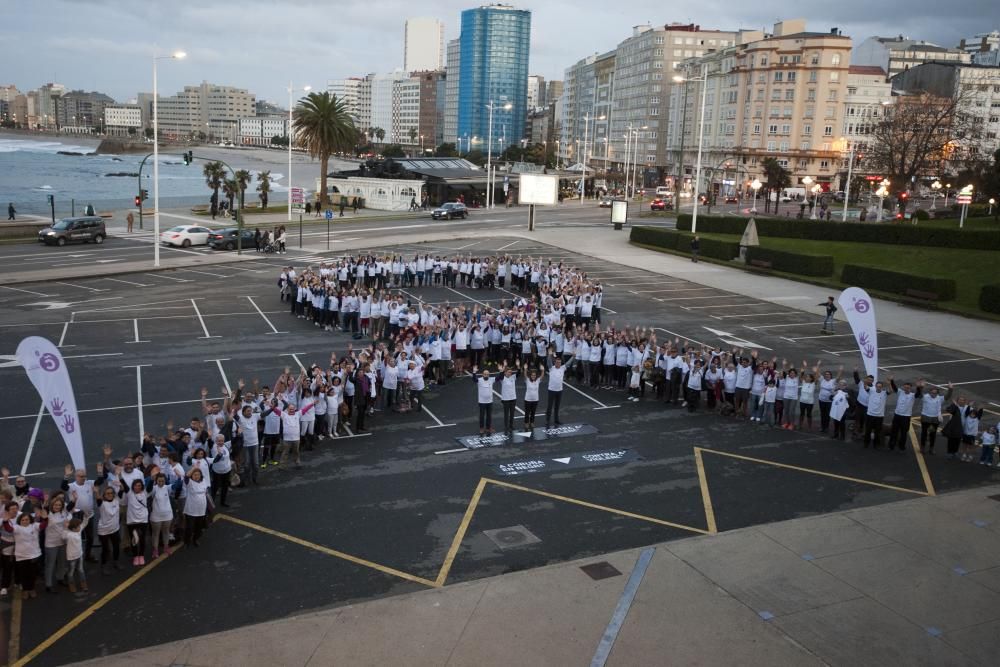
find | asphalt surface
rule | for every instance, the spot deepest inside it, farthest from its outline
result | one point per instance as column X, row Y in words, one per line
column 381, row 514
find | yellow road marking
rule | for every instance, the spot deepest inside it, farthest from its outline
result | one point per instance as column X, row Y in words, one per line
column 915, row 446
column 92, row 609
column 327, row 550
column 460, row 533
column 706, row 498
column 584, row 503
column 817, row 472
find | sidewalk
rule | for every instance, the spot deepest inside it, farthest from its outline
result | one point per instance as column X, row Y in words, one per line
column 915, row 582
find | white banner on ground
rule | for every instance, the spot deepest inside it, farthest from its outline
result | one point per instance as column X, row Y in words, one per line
column 47, row 371
column 860, row 313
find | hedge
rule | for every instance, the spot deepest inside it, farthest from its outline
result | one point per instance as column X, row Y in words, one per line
column 989, row 298
column 793, row 262
column 673, row 240
column 896, row 282
column 852, row 232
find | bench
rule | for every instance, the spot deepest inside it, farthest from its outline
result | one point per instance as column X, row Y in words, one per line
column 760, row 263
column 922, row 295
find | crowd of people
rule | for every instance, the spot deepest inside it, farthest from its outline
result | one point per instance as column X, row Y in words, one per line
column 548, row 329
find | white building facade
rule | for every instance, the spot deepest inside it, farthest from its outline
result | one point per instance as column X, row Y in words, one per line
column 121, row 119
column 423, row 45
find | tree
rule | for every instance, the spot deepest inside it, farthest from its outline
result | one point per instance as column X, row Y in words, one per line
column 324, row 126
column 778, row 179
column 243, row 179
column 476, row 156
column 230, row 188
column 263, row 187
column 412, row 133
column 379, row 134
column 148, row 132
column 393, row 150
column 214, row 173
column 446, row 150
column 279, row 140
column 919, row 135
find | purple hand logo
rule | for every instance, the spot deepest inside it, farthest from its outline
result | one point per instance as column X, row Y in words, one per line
column 48, row 362
column 867, row 348
column 57, row 407
column 862, row 305
column 69, row 424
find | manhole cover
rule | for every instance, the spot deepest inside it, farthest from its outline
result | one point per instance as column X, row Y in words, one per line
column 512, row 537
column 602, row 570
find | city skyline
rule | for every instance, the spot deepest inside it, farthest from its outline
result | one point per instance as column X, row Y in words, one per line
column 50, row 47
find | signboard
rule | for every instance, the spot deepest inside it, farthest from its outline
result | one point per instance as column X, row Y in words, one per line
column 539, row 189
column 559, row 463
column 964, row 199
column 517, row 437
column 298, row 196
column 619, row 211
column 328, row 214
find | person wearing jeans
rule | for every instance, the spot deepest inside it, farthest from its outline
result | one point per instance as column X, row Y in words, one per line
column 484, row 396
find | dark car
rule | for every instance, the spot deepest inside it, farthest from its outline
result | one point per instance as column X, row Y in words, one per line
column 732, row 199
column 660, row 204
column 74, row 230
column 450, row 211
column 225, row 239
column 608, row 202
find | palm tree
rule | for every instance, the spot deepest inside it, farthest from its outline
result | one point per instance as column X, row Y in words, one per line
column 778, row 179
column 243, row 179
column 324, row 126
column 263, row 187
column 214, row 173
column 380, row 133
column 230, row 188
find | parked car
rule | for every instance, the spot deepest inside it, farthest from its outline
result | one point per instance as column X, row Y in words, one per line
column 185, row 236
column 607, row 202
column 225, row 239
column 732, row 199
column 74, row 230
column 450, row 211
column 660, row 204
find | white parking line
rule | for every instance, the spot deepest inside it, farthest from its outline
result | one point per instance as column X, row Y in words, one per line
column 881, row 349
column 693, row 298
column 726, row 305
column 222, row 372
column 956, row 384
column 201, row 319
column 440, row 424
column 590, row 398
column 778, row 326
column 138, row 392
column 507, row 246
column 726, row 317
column 127, row 282
column 820, row 336
column 650, row 282
column 92, row 289
column 465, row 296
column 26, row 291
column 933, row 363
column 62, row 336
column 255, row 307
column 664, row 291
column 160, row 275
column 452, row 451
column 90, row 356
column 135, row 330
column 206, row 273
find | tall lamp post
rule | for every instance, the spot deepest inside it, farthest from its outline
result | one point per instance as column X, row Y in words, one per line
column 756, row 186
column 947, row 189
column 881, row 193
column 808, row 181
column 850, row 171
column 935, row 187
column 489, row 153
column 291, row 103
column 176, row 55
column 701, row 136
column 586, row 127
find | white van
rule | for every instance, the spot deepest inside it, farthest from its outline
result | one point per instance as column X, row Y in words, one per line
column 793, row 194
column 664, row 191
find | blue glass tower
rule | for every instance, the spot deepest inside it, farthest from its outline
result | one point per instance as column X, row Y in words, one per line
column 494, row 47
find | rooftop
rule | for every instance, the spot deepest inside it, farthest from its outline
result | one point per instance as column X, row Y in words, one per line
column 866, row 69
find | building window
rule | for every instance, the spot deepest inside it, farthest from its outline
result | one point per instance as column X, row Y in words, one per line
column 756, row 128
column 828, row 131
column 791, row 77
column 778, row 76
column 811, row 95
column 832, row 96
column 786, row 129
column 807, row 130
column 790, row 94
column 770, row 146
column 812, row 77
column 772, row 129
column 805, row 145
column 815, row 59
column 824, row 164
column 835, row 60
column 834, row 77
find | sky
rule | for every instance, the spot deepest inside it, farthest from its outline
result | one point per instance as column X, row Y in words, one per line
column 261, row 45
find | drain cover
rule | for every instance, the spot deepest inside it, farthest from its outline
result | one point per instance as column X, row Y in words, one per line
column 512, row 537
column 602, row 570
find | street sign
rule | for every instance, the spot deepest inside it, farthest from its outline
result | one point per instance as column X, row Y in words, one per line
column 964, row 199
column 298, row 196
column 328, row 214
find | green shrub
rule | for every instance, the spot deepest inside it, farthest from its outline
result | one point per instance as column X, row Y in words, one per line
column 793, row 262
column 921, row 214
column 896, row 282
column 673, row 240
column 989, row 298
column 816, row 230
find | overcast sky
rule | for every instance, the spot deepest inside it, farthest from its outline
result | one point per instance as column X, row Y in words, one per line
column 260, row 45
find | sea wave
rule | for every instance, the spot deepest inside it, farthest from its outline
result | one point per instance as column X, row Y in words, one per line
column 40, row 146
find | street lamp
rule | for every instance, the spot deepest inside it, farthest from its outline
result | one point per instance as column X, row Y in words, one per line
column 701, row 136
column 881, row 193
column 291, row 103
column 935, row 186
column 850, row 170
column 586, row 127
column 992, row 202
column 421, row 144
column 807, row 181
column 489, row 153
column 176, row 55
column 947, row 189
column 756, row 186
column 816, row 189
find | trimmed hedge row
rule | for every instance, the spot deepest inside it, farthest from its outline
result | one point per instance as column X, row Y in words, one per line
column 793, row 262
column 852, row 232
column 673, row 240
column 989, row 298
column 896, row 282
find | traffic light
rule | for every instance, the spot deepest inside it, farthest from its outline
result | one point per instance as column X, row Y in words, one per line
column 904, row 195
column 138, row 201
column 189, row 157
column 50, row 199
column 145, row 194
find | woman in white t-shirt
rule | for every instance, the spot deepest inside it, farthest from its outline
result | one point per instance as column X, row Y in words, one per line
column 195, row 506
column 161, row 514
column 531, row 385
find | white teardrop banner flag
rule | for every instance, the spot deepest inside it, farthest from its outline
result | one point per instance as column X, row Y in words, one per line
column 860, row 313
column 47, row 371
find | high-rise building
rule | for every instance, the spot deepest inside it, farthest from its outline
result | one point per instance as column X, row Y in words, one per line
column 405, row 128
column 382, row 92
column 42, row 111
column 452, row 70
column 536, row 92
column 348, row 91
column 423, row 45
column 79, row 109
column 432, row 101
column 775, row 96
column 495, row 43
column 898, row 54
column 206, row 108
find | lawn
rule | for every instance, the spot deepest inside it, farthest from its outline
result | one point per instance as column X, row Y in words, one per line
column 970, row 269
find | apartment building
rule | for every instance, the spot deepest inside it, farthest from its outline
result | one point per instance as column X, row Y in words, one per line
column 122, row 119
column 868, row 95
column 210, row 108
column 452, row 69
column 80, row 111
column 405, row 126
column 348, row 91
column 432, row 101
column 779, row 95
column 898, row 54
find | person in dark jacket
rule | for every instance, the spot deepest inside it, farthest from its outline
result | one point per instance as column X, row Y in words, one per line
column 695, row 248
column 953, row 428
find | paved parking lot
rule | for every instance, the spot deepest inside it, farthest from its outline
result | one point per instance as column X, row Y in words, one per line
column 406, row 507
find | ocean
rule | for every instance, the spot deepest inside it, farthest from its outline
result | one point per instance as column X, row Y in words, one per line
column 33, row 167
